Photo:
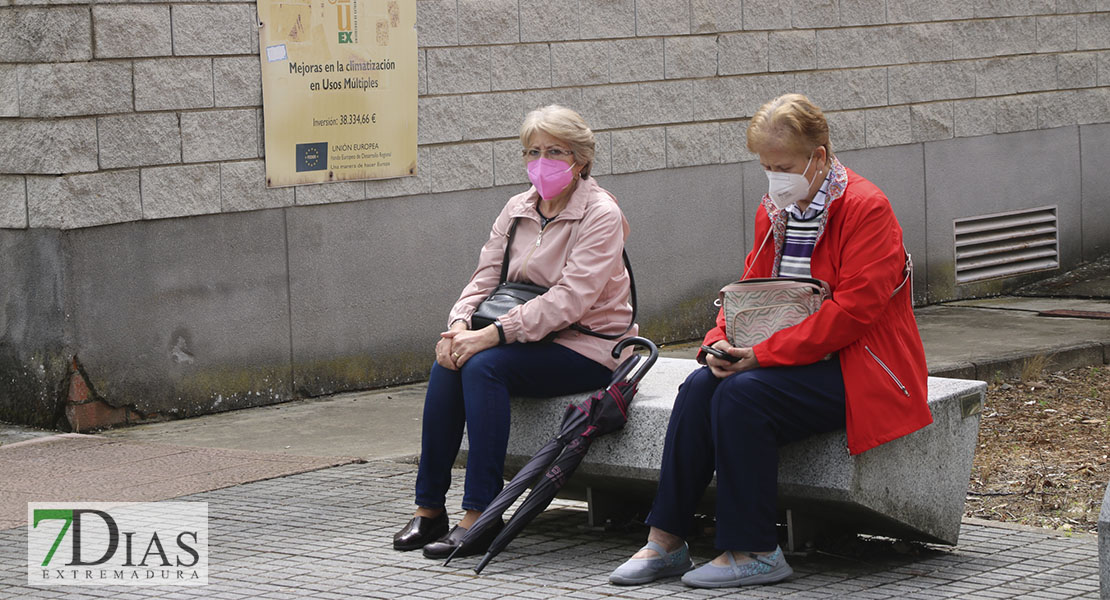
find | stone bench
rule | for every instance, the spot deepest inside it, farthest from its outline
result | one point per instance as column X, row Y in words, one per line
column 912, row 488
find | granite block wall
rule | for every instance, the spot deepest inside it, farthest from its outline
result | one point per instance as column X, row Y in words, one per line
column 96, row 89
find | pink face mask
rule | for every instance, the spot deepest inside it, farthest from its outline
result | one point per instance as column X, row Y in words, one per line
column 550, row 176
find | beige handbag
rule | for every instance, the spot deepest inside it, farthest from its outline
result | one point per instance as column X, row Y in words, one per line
column 756, row 308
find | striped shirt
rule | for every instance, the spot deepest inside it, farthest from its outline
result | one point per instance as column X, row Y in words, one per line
column 801, row 234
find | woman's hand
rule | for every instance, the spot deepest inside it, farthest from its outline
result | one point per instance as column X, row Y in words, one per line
column 723, row 368
column 465, row 344
column 444, row 347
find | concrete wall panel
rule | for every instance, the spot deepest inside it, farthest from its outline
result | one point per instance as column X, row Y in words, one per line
column 899, row 171
column 372, row 282
column 968, row 177
column 33, row 357
column 184, row 316
column 686, row 242
column 755, row 186
column 1095, row 152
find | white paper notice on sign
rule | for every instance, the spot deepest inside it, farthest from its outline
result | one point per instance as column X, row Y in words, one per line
column 276, row 53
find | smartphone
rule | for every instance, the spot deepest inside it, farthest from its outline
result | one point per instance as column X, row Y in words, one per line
column 721, row 354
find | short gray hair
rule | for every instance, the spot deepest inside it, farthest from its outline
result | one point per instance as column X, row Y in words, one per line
column 792, row 121
column 566, row 125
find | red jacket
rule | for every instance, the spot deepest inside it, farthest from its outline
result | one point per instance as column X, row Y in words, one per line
column 859, row 252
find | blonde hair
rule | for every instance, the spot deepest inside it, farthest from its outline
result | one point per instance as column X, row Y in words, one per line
column 566, row 125
column 790, row 121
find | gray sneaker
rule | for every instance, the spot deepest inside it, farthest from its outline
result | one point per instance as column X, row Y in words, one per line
column 635, row 571
column 762, row 569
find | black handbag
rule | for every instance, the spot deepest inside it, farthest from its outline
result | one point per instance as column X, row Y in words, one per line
column 508, row 294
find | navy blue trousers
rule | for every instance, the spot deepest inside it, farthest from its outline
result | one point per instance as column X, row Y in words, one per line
column 478, row 396
column 734, row 426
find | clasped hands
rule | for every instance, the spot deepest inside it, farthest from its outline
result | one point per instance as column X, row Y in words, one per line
column 458, row 344
column 722, row 368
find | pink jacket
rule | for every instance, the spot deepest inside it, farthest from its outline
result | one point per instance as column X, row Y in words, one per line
column 578, row 256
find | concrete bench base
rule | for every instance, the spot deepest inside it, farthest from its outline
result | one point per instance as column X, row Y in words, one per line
column 912, row 488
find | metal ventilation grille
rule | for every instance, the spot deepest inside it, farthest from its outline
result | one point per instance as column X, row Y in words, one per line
column 1006, row 244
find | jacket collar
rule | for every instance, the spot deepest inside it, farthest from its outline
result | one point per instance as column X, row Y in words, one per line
column 574, row 210
column 838, row 176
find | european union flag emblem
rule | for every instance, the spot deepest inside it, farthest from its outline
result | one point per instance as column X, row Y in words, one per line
column 312, row 157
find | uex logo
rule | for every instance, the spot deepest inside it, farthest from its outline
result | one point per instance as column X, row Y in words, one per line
column 155, row 543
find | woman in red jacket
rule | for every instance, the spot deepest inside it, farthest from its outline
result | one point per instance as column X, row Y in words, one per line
column 857, row 362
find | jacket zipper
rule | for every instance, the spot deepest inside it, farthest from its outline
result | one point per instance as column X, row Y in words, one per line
column 888, row 371
column 524, row 269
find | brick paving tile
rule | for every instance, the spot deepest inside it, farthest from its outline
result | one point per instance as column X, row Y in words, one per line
column 997, row 593
column 941, row 593
column 1049, row 595
column 922, row 595
column 998, row 577
column 533, row 594
column 953, row 572
column 234, row 595
column 930, row 581
column 1023, row 568
column 870, row 595
column 966, row 587
column 1080, row 586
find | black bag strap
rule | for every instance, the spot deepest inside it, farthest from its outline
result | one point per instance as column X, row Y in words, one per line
column 508, row 245
column 576, row 326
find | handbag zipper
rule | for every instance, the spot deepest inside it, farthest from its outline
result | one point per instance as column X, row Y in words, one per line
column 767, row 307
column 888, row 371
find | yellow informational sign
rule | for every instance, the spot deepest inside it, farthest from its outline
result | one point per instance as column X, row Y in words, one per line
column 338, row 89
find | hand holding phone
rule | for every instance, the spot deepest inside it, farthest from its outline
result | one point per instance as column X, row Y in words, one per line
column 721, row 354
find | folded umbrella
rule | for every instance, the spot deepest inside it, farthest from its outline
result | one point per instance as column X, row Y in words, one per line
column 547, row 471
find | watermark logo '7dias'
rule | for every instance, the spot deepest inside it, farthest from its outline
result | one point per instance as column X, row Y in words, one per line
column 101, row 543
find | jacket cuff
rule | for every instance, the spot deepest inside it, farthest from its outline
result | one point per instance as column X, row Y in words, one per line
column 510, row 327
column 460, row 315
column 701, row 356
column 712, row 337
column 763, row 356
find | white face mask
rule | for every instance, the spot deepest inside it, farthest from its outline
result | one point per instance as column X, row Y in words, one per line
column 788, row 188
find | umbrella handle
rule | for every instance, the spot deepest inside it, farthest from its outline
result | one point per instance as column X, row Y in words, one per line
column 653, row 353
column 624, row 369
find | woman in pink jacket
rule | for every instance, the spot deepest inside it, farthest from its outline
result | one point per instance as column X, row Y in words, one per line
column 569, row 238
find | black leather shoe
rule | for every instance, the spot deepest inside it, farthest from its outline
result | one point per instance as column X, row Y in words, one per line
column 420, row 531
column 444, row 546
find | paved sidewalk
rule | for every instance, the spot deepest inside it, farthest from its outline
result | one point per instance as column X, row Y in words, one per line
column 87, row 468
column 327, row 534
